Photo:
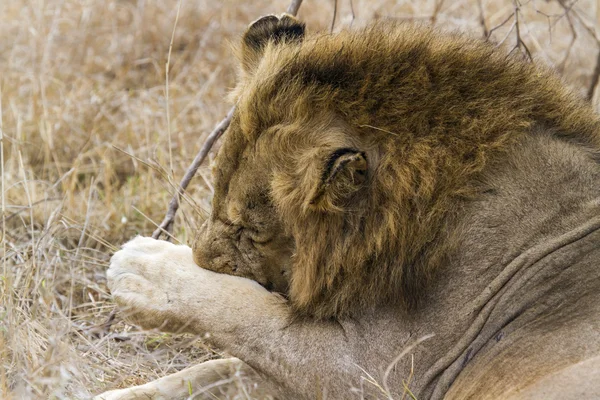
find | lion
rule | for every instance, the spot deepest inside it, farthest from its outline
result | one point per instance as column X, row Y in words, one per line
column 397, row 211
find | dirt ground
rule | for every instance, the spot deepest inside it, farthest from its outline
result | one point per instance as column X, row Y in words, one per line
column 93, row 142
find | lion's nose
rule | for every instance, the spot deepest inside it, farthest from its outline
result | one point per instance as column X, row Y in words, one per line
column 201, row 247
column 199, row 255
column 212, row 248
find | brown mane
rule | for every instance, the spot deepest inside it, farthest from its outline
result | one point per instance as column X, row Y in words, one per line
column 429, row 111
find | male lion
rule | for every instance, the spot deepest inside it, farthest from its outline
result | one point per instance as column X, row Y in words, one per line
column 393, row 183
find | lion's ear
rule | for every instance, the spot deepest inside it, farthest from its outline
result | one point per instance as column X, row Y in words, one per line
column 344, row 173
column 286, row 29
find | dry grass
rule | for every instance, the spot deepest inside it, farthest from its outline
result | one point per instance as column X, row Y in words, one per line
column 87, row 162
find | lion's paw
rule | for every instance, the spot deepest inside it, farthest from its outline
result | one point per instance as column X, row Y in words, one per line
column 147, row 278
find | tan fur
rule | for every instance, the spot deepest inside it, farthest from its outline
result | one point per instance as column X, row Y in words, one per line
column 374, row 170
column 427, row 111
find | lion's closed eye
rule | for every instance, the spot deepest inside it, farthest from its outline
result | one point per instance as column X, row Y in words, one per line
column 259, row 238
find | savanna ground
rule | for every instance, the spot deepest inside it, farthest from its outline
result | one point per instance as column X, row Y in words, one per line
column 92, row 145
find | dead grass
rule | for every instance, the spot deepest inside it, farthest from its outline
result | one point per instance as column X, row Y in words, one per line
column 86, row 158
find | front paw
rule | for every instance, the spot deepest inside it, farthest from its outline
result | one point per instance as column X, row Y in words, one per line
column 147, row 279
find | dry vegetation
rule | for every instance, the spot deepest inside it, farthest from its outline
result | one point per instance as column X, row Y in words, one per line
column 89, row 159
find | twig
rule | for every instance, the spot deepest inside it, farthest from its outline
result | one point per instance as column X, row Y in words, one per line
column 586, row 25
column 592, row 32
column 352, row 13
column 501, row 42
column 553, row 19
column 334, row 16
column 166, row 226
column 561, row 65
column 482, row 19
column 436, row 10
column 595, row 78
column 500, row 25
column 520, row 43
column 293, row 7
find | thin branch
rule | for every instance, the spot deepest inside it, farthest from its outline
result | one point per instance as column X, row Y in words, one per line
column 567, row 8
column 512, row 27
column 334, row 16
column 516, row 25
column 166, row 226
column 352, row 13
column 500, row 25
column 482, row 19
column 520, row 43
column 293, row 7
column 595, row 78
column 549, row 20
column 592, row 32
column 436, row 10
column 561, row 65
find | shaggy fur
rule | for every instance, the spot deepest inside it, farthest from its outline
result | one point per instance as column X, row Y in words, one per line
column 349, row 153
column 370, row 171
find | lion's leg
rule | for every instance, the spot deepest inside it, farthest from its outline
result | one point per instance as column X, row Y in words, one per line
column 228, row 378
column 158, row 285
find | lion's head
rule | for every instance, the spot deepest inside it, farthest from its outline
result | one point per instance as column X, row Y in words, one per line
column 339, row 178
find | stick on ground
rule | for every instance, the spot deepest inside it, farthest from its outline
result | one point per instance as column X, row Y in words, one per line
column 166, row 226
